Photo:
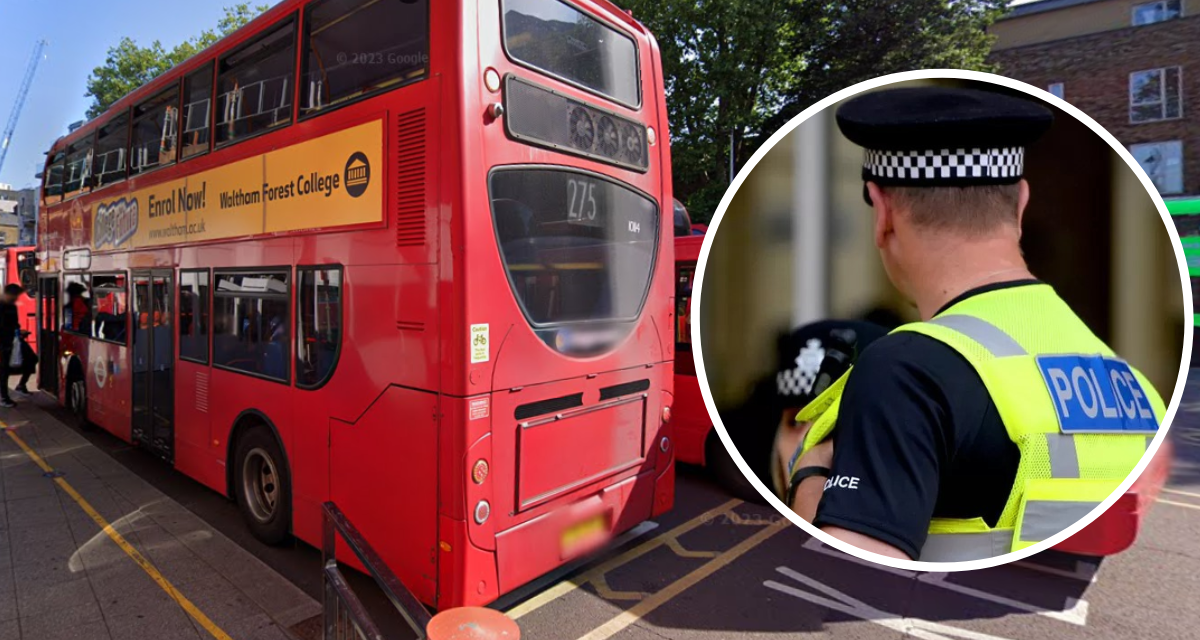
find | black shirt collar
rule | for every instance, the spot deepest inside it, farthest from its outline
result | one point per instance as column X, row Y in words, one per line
column 995, row 286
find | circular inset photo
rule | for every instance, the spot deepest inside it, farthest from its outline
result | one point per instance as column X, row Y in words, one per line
column 939, row 322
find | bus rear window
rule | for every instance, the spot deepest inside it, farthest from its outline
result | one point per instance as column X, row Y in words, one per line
column 555, row 37
column 577, row 247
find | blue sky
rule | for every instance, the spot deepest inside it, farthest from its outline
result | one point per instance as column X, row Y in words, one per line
column 80, row 33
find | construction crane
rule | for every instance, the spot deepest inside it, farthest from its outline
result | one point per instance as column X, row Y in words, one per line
column 22, row 93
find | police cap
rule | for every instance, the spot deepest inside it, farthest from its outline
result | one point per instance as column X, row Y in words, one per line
column 937, row 136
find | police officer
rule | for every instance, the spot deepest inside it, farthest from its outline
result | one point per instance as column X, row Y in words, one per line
column 1000, row 419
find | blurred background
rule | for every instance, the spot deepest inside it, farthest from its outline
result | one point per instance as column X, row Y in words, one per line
column 796, row 245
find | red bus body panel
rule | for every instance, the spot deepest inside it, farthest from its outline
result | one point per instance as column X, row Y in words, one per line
column 689, row 417
column 393, row 436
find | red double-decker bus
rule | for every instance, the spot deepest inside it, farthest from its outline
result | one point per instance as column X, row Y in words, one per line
column 413, row 257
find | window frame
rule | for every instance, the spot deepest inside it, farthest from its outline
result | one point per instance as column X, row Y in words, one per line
column 134, row 120
column 211, row 67
column 1162, row 94
column 208, row 334
column 1182, row 159
column 213, row 144
column 337, row 357
column 1133, row 12
column 637, row 56
column 92, row 290
column 286, row 297
column 302, row 69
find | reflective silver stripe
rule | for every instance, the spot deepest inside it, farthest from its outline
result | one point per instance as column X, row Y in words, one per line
column 988, row 335
column 1044, row 518
column 1149, row 439
column 953, row 547
column 1064, row 460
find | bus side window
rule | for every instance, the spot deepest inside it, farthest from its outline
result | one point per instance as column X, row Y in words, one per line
column 108, row 162
column 255, row 83
column 250, row 323
column 318, row 324
column 53, row 185
column 110, row 299
column 193, row 316
column 197, row 112
column 78, row 168
column 155, row 131
column 390, row 45
column 77, row 304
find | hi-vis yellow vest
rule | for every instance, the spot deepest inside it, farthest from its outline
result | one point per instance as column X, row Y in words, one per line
column 1081, row 417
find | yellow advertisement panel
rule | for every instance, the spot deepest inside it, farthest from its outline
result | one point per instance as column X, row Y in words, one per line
column 321, row 183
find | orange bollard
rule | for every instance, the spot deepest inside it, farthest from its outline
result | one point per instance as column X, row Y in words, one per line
column 472, row 623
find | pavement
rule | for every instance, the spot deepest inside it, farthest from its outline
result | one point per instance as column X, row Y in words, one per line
column 90, row 550
column 712, row 568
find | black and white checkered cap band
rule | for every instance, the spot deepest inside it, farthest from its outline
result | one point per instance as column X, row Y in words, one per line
column 1006, row 163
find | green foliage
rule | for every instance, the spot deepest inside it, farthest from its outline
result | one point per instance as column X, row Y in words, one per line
column 129, row 66
column 746, row 67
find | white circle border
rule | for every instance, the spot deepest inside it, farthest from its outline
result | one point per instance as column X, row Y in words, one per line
column 698, row 287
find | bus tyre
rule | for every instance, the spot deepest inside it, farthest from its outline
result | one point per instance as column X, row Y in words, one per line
column 718, row 461
column 77, row 401
column 262, row 487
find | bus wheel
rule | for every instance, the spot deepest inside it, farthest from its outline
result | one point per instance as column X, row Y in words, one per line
column 77, row 401
column 262, row 487
column 718, row 461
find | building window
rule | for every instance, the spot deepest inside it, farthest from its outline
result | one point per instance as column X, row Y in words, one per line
column 250, row 323
column 318, row 324
column 1163, row 162
column 1151, row 12
column 1155, row 94
column 1055, row 89
column 193, row 316
column 110, row 298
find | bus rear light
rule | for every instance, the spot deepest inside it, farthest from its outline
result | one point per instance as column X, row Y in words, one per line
column 491, row 80
column 666, row 414
column 651, row 136
column 482, row 511
column 479, row 472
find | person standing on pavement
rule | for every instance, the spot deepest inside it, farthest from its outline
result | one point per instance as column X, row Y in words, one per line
column 10, row 332
column 1000, row 419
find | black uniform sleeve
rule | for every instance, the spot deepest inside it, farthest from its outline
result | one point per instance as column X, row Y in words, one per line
column 892, row 442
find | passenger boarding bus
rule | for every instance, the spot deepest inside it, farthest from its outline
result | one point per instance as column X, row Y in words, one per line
column 412, row 257
column 20, row 267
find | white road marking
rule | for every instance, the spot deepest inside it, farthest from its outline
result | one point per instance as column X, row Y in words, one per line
column 843, row 603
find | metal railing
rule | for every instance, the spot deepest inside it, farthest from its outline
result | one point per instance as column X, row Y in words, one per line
column 345, row 616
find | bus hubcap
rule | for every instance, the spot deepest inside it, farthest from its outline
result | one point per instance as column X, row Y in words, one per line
column 260, row 483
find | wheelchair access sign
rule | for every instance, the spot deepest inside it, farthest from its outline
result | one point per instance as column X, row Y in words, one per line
column 1094, row 394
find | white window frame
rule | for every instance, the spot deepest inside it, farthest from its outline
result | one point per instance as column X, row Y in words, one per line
column 1060, row 93
column 1133, row 12
column 1182, row 173
column 1162, row 95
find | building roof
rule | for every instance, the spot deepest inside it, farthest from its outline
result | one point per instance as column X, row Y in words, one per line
column 1042, row 6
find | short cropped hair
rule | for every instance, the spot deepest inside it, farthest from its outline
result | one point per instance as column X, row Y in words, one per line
column 14, row 289
column 971, row 211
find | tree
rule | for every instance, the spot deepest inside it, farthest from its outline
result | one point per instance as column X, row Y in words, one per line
column 737, row 70
column 129, row 66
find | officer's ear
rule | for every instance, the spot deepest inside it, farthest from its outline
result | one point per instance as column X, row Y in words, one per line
column 885, row 213
column 1022, row 202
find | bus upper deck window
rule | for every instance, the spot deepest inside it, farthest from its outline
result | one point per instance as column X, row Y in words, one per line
column 78, row 168
column 358, row 47
column 108, row 161
column 155, row 131
column 557, row 38
column 197, row 112
column 53, row 185
column 255, row 84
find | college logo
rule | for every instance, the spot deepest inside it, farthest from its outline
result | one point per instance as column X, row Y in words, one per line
column 115, row 223
column 358, row 174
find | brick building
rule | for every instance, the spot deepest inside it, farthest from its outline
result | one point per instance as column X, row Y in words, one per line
column 1132, row 65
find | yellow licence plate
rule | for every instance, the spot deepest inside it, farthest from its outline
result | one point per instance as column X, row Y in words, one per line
column 584, row 531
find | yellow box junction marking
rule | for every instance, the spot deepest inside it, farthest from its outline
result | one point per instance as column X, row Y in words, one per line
column 196, row 614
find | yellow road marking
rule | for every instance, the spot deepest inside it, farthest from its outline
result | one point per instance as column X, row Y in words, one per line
column 1180, row 504
column 674, row 545
column 606, row 592
column 1182, row 493
column 196, row 614
column 561, row 589
column 641, row 609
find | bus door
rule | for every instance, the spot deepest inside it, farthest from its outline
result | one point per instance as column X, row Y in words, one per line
column 153, row 363
column 47, row 335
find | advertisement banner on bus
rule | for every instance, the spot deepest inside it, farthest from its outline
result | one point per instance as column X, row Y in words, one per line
column 318, row 184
